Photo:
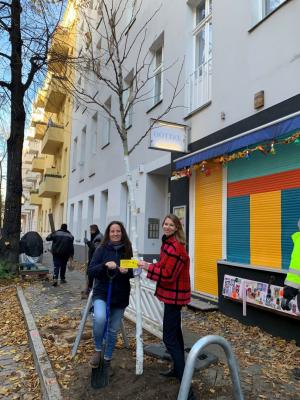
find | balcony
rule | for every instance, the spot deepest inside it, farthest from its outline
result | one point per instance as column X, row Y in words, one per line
column 40, row 128
column 38, row 165
column 199, row 86
column 31, row 177
column 35, row 200
column 56, row 94
column 51, row 184
column 53, row 140
column 40, row 98
column 34, row 147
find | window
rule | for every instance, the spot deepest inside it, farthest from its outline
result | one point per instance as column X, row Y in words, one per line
column 103, row 208
column 262, row 8
column 158, row 68
column 74, row 158
column 200, row 79
column 105, row 127
column 82, row 153
column 79, row 221
column 270, row 5
column 128, row 100
column 91, row 203
column 93, row 145
column 71, row 220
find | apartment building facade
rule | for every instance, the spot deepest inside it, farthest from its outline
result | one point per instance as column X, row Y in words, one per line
column 240, row 181
column 98, row 191
column 50, row 130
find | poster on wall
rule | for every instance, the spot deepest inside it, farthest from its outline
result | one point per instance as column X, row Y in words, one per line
column 180, row 212
column 259, row 293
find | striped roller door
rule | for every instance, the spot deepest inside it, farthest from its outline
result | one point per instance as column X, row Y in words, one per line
column 208, row 230
column 238, row 229
column 265, row 229
column 290, row 214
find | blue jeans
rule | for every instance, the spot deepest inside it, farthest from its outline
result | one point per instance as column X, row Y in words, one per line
column 99, row 317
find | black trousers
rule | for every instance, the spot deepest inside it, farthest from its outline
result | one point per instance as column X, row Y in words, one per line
column 173, row 338
column 60, row 266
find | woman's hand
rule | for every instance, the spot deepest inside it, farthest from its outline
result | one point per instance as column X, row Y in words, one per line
column 144, row 265
column 111, row 265
column 123, row 270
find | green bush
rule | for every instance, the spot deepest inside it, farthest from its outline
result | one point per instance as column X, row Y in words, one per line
column 5, row 270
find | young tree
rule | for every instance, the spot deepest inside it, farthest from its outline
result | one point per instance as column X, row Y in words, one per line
column 115, row 34
column 26, row 29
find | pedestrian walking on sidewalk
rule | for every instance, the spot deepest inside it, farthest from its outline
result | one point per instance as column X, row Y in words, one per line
column 172, row 274
column 105, row 265
column 92, row 244
column 62, row 250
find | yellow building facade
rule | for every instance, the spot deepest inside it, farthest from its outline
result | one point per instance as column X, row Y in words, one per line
column 51, row 125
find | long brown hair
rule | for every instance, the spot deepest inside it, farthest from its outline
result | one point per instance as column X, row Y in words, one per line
column 179, row 234
column 124, row 239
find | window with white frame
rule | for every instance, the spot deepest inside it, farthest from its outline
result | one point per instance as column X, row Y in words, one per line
column 130, row 8
column 75, row 150
column 93, row 144
column 82, row 154
column 263, row 8
column 200, row 78
column 105, row 125
column 158, row 74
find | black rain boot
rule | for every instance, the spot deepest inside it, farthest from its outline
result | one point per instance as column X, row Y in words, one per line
column 106, row 374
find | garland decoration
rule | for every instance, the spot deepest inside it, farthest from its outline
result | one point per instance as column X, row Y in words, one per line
column 203, row 166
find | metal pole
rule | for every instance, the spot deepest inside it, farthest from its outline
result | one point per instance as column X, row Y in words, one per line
column 82, row 324
column 191, row 361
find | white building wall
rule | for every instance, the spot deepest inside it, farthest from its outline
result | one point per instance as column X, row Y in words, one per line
column 244, row 63
column 109, row 172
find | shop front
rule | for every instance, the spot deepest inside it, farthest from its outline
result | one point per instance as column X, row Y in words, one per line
column 246, row 205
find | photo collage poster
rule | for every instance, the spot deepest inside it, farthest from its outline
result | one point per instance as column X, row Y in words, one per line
column 259, row 293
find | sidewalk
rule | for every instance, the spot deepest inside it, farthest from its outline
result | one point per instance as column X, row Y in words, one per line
column 18, row 379
column 57, row 312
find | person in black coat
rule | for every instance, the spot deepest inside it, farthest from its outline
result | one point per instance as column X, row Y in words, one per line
column 105, row 264
column 92, row 244
column 62, row 249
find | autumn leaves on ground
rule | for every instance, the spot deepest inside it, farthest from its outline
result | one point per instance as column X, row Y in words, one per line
column 18, row 378
column 265, row 362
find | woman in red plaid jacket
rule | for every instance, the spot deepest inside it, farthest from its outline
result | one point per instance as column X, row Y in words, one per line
column 173, row 288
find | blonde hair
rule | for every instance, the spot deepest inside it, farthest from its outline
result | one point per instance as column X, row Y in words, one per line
column 179, row 234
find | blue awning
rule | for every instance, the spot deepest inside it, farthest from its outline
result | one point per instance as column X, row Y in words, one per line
column 258, row 136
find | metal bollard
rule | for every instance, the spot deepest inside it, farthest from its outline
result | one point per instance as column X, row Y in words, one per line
column 191, row 361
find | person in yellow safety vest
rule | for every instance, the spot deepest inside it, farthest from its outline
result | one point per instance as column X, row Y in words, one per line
column 292, row 281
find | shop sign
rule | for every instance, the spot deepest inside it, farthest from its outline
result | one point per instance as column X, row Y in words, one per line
column 258, row 293
column 169, row 137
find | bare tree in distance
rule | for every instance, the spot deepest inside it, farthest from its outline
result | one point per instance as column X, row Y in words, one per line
column 114, row 34
column 26, row 29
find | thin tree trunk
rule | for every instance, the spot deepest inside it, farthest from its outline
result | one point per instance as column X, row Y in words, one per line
column 138, row 306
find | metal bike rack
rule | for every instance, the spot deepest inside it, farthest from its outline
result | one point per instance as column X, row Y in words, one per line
column 191, row 361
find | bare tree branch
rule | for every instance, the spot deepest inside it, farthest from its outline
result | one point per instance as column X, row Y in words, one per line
column 5, row 85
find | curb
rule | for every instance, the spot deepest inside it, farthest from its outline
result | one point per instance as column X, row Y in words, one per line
column 49, row 385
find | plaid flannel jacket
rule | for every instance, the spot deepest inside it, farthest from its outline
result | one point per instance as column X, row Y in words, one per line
column 172, row 273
